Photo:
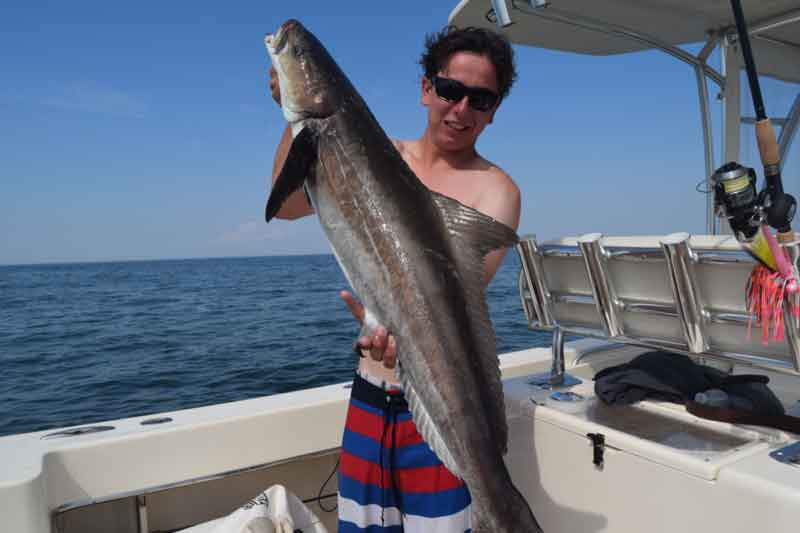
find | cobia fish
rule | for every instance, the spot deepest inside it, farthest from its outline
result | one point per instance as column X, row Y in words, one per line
column 415, row 259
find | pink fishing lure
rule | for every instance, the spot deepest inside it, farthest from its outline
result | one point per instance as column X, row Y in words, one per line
column 768, row 289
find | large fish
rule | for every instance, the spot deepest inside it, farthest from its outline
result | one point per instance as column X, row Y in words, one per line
column 415, row 259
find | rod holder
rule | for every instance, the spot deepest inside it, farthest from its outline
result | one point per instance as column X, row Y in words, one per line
column 557, row 377
column 688, row 302
column 605, row 299
column 557, row 368
column 532, row 273
column 705, row 277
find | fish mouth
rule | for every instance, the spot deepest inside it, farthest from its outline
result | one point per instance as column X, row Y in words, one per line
column 277, row 42
column 293, row 87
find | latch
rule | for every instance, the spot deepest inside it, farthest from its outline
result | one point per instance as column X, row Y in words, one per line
column 598, row 447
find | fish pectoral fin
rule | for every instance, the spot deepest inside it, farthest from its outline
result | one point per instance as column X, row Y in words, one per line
column 471, row 227
column 297, row 168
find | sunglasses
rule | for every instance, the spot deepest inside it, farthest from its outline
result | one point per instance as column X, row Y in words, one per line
column 454, row 91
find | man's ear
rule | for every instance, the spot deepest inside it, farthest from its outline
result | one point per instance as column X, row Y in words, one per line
column 427, row 90
column 491, row 117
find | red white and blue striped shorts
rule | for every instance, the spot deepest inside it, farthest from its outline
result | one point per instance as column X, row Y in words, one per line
column 389, row 479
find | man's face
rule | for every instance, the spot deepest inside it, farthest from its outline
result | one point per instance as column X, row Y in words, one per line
column 457, row 125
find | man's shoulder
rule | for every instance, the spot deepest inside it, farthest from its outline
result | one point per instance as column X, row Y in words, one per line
column 405, row 147
column 500, row 197
column 497, row 178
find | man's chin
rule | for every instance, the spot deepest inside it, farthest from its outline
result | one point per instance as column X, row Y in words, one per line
column 454, row 143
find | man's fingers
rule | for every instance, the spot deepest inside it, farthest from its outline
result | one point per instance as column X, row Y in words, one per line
column 379, row 341
column 390, row 354
column 380, row 346
column 362, row 346
column 355, row 308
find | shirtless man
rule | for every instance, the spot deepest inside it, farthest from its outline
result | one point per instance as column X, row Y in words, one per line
column 466, row 75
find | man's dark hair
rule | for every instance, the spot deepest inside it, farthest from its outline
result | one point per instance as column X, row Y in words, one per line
column 440, row 47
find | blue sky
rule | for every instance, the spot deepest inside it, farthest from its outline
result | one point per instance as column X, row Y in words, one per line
column 139, row 131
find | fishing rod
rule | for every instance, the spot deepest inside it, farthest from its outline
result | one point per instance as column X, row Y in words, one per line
column 735, row 194
column 775, row 278
column 778, row 206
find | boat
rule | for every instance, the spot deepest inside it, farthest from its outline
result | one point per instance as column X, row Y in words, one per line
column 583, row 466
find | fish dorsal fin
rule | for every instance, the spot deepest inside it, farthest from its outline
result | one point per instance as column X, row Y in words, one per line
column 474, row 235
column 296, row 169
column 426, row 427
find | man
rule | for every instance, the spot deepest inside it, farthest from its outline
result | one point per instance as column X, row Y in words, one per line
column 389, row 479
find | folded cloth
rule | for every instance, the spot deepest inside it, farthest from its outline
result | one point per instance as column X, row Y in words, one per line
column 276, row 510
column 672, row 377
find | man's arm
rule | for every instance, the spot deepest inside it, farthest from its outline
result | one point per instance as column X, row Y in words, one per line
column 503, row 204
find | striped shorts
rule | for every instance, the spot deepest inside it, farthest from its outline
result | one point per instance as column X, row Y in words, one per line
column 389, row 479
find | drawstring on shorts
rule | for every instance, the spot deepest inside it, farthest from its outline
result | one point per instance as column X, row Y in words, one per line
column 394, row 404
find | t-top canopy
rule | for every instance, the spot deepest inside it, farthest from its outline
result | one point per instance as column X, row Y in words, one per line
column 568, row 25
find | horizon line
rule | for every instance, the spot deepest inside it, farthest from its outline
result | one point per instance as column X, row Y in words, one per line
column 142, row 260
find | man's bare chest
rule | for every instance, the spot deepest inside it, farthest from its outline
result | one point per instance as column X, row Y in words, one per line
column 464, row 186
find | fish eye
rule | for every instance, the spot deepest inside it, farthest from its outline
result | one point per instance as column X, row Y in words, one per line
column 298, row 51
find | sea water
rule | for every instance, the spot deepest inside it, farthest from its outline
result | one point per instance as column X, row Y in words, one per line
column 89, row 342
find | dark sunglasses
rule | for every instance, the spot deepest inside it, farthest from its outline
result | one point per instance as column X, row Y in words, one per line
column 454, row 91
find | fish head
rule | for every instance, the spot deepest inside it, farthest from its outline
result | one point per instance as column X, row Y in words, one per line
column 307, row 74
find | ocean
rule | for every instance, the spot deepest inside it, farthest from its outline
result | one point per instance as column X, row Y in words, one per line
column 88, row 342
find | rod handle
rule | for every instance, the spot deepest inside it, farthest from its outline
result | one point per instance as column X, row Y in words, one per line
column 767, row 143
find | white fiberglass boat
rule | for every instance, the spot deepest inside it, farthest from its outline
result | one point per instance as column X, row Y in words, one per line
column 583, row 466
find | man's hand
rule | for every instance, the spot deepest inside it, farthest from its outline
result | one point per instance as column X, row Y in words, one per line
column 274, row 87
column 380, row 346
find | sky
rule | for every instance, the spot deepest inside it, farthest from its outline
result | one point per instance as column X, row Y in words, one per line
column 145, row 130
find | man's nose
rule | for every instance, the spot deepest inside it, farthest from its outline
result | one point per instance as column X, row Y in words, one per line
column 462, row 106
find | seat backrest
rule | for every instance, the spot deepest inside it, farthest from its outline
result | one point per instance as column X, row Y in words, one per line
column 677, row 292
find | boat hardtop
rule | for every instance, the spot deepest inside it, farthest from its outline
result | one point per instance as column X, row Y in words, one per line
column 620, row 26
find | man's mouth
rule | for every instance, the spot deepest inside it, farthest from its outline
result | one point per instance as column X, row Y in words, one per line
column 456, row 125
